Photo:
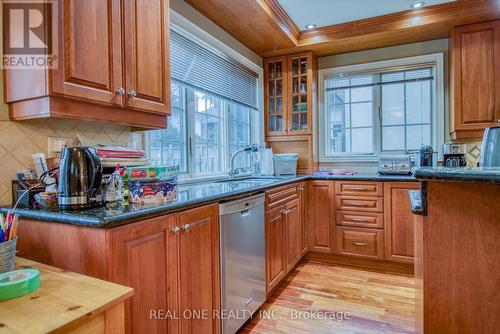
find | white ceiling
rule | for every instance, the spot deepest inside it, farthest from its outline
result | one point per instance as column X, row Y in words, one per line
column 330, row 12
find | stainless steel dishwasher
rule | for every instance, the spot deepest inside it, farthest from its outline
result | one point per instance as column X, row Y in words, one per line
column 243, row 267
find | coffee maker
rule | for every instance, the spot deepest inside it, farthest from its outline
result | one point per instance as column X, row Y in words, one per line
column 454, row 155
column 80, row 176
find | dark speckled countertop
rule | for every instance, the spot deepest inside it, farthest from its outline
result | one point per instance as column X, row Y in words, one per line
column 462, row 174
column 189, row 196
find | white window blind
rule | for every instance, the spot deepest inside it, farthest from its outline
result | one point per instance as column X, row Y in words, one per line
column 194, row 65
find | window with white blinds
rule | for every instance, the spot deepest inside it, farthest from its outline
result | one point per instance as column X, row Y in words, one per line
column 195, row 65
column 214, row 111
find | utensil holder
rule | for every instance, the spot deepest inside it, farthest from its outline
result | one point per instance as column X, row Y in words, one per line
column 7, row 255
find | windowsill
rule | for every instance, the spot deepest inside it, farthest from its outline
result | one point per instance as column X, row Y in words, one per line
column 186, row 180
column 350, row 158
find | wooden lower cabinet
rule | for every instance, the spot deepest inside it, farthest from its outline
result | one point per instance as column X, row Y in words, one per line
column 399, row 226
column 361, row 242
column 171, row 261
column 198, row 265
column 285, row 232
column 293, row 234
column 321, row 216
column 143, row 256
column 275, row 247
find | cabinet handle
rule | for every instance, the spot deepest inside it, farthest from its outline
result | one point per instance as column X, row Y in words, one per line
column 175, row 230
column 186, row 227
column 355, row 243
column 354, row 219
column 120, row 91
column 359, row 188
column 357, row 203
column 132, row 94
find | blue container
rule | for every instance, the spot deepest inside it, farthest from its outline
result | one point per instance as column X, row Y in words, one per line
column 153, row 192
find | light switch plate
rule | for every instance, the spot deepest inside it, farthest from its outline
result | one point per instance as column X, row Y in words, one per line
column 56, row 144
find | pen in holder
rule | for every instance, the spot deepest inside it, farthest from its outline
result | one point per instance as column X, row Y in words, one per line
column 8, row 241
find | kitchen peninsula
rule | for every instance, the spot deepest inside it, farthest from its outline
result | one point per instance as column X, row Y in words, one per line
column 457, row 266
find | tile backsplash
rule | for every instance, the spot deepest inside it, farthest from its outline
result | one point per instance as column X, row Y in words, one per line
column 473, row 153
column 19, row 140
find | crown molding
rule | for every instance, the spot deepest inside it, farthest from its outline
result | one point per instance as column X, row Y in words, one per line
column 280, row 16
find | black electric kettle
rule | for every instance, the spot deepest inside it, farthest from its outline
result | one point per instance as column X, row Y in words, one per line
column 80, row 176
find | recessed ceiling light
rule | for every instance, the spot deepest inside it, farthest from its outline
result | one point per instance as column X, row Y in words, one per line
column 419, row 4
column 310, row 26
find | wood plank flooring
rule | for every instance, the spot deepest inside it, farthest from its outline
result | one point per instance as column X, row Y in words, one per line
column 316, row 296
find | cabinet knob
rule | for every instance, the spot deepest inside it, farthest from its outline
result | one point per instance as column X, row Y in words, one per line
column 186, row 227
column 175, row 230
column 132, row 94
column 120, row 91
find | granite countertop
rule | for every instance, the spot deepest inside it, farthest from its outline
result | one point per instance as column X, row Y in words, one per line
column 463, row 174
column 189, row 196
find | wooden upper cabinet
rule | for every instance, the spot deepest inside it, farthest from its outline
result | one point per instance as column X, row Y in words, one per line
column 475, row 73
column 112, row 65
column 289, row 93
column 300, row 80
column 399, row 221
column 275, row 73
column 90, row 42
column 147, row 55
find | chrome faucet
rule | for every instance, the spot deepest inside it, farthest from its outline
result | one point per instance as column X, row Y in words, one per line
column 234, row 172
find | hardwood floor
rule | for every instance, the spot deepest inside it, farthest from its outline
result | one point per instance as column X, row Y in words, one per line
column 343, row 300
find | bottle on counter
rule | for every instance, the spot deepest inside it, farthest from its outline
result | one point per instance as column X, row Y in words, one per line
column 115, row 191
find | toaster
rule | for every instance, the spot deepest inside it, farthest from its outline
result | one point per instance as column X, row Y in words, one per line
column 394, row 164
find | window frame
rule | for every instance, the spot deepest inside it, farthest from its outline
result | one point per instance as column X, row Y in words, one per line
column 435, row 61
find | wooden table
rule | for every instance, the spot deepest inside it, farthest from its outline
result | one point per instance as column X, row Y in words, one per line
column 65, row 303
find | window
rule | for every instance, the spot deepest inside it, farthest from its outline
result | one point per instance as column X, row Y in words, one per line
column 203, row 131
column 370, row 110
column 214, row 111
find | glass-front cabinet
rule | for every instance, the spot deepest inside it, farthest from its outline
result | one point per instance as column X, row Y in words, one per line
column 289, row 94
column 275, row 99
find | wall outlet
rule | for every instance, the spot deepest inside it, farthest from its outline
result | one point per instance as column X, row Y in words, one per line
column 56, row 144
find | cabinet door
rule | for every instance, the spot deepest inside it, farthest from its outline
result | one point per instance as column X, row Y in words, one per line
column 275, row 94
column 302, row 199
column 321, row 216
column 147, row 59
column 90, row 65
column 199, row 282
column 476, row 65
column 143, row 256
column 293, row 234
column 299, row 109
column 399, row 235
column 275, row 247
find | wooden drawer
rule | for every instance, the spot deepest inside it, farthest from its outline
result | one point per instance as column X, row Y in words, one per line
column 359, row 203
column 360, row 219
column 359, row 188
column 281, row 196
column 362, row 242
